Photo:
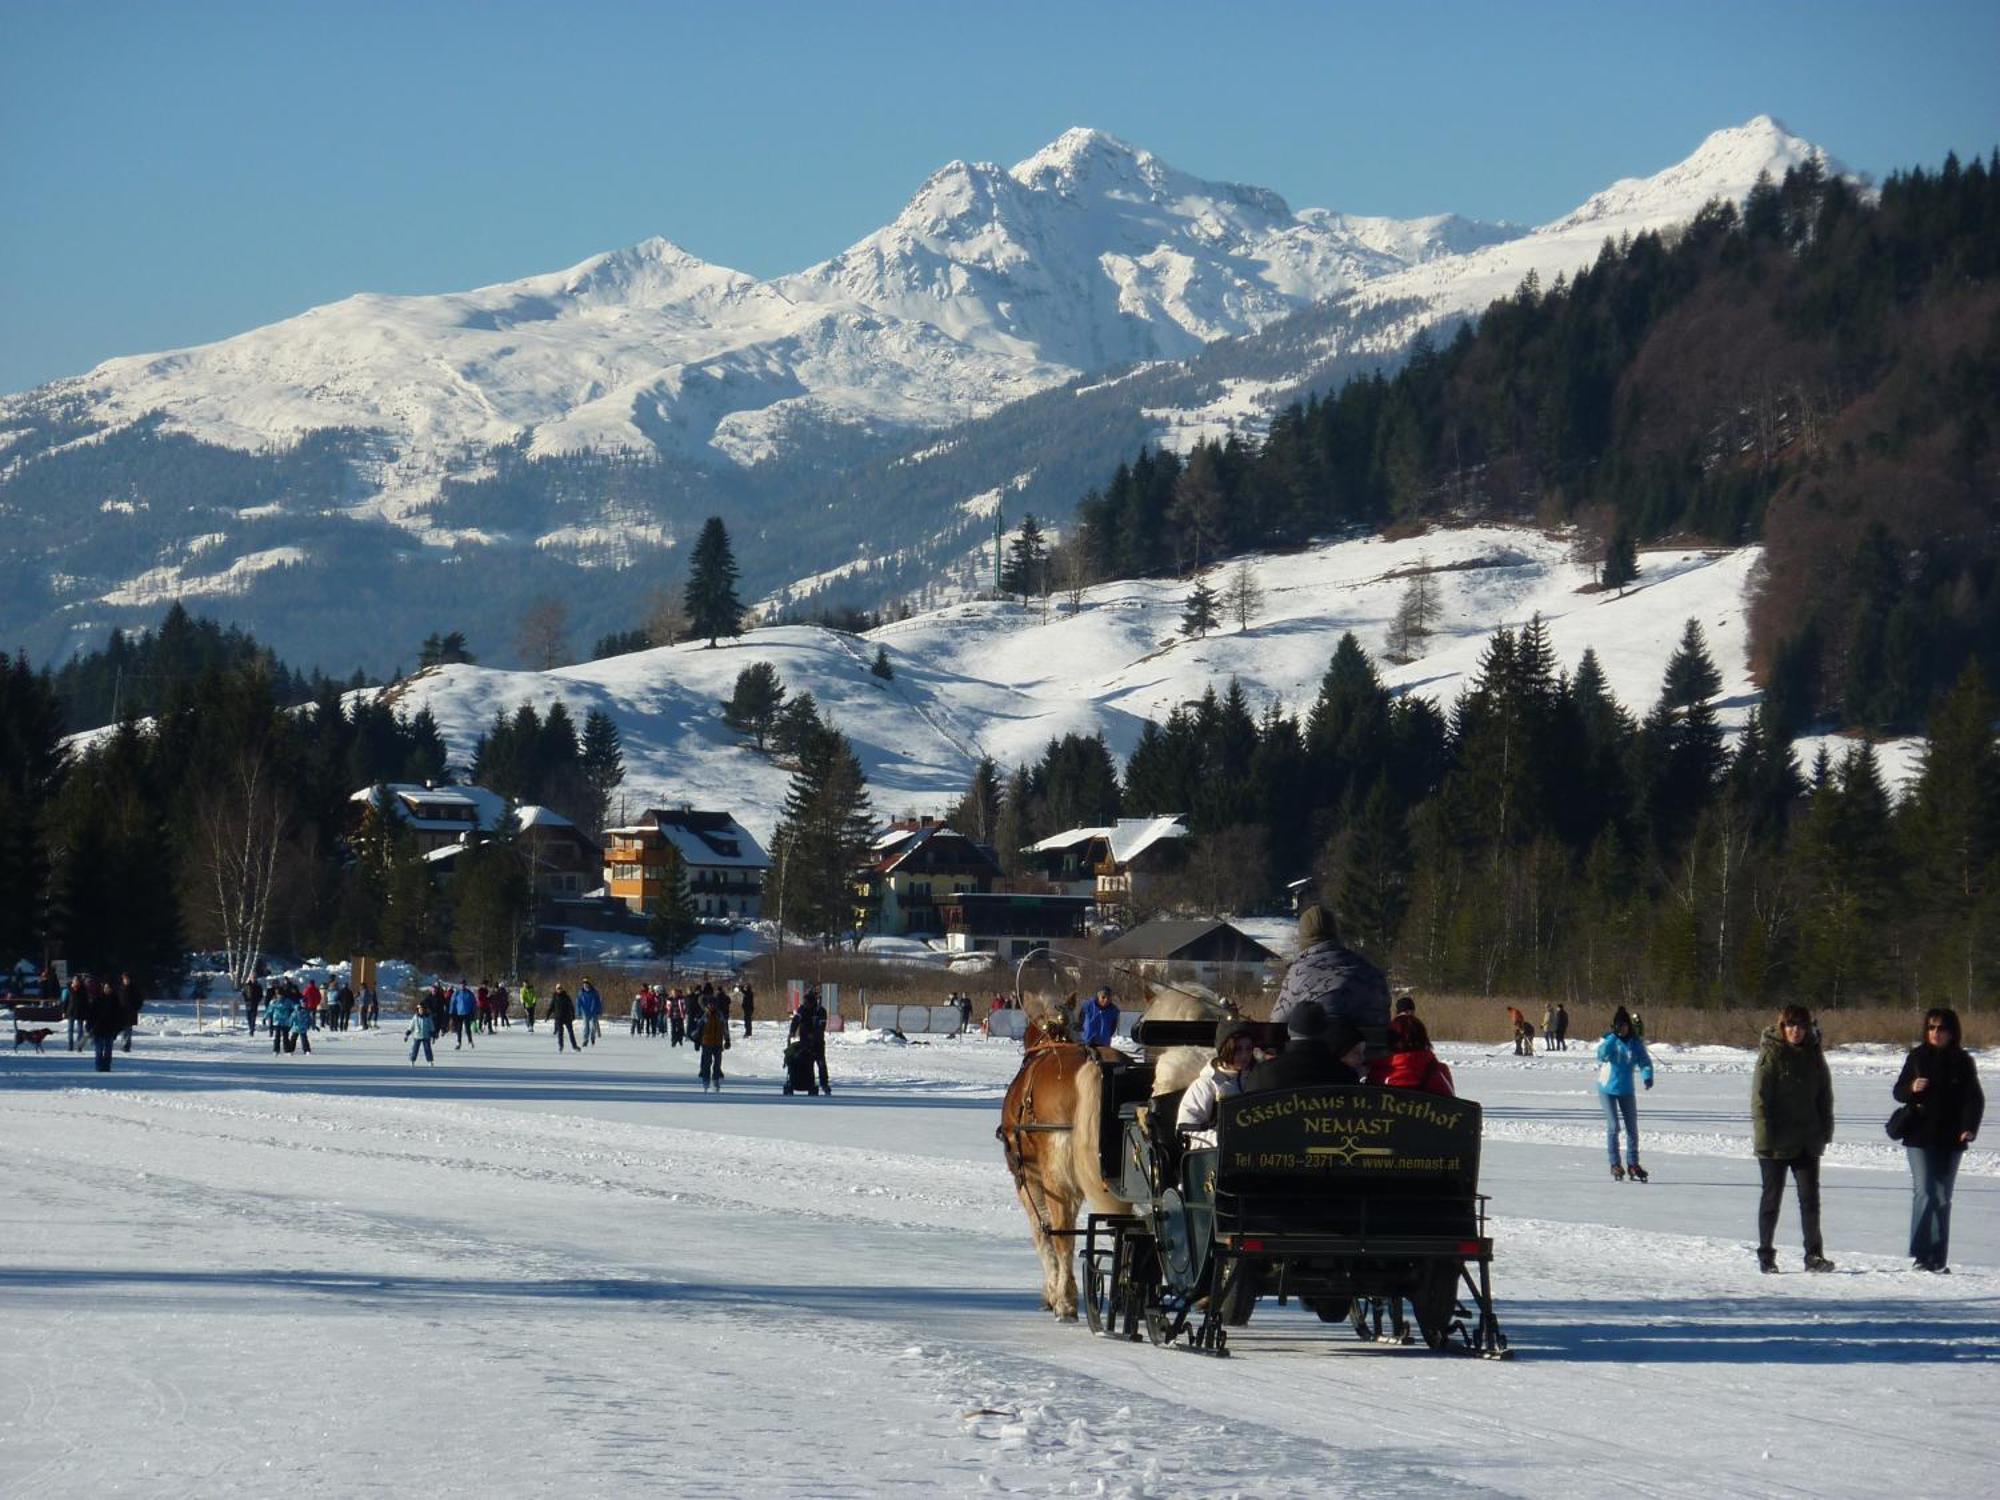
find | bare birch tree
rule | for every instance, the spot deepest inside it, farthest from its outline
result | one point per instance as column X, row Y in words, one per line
column 1242, row 596
column 240, row 825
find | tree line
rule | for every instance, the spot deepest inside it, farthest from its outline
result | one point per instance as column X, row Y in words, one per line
column 1539, row 837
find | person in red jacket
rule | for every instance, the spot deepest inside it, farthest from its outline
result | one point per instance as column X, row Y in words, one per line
column 1411, row 1064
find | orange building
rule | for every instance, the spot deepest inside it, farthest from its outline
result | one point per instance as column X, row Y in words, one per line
column 722, row 866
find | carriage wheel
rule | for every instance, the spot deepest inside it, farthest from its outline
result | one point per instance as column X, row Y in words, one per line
column 1333, row 1309
column 1097, row 1309
column 1436, row 1302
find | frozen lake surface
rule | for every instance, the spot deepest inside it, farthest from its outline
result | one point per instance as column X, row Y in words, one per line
column 228, row 1273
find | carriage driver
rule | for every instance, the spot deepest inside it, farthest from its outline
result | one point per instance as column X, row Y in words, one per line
column 1100, row 1019
column 1235, row 1051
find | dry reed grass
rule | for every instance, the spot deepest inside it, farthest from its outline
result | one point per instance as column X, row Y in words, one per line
column 1482, row 1018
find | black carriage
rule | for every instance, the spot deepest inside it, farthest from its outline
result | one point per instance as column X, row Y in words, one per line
column 1356, row 1200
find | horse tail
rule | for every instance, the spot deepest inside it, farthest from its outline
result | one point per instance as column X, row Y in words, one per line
column 1086, row 1140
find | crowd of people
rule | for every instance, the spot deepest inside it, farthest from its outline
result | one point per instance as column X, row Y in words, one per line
column 1329, row 994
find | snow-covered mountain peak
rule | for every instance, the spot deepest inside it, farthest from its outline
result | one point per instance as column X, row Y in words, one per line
column 1722, row 166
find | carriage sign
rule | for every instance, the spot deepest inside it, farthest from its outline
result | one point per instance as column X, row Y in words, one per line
column 1350, row 1130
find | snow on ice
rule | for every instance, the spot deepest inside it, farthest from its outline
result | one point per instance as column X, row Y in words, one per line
column 229, row 1273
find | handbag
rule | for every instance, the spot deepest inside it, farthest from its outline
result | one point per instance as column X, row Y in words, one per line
column 1901, row 1122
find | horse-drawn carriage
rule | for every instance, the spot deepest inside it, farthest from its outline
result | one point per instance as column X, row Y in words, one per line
column 1352, row 1199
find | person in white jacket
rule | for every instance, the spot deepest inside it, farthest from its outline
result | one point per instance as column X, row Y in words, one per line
column 1235, row 1051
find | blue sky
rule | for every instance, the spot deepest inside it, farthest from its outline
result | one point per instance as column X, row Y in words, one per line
column 174, row 173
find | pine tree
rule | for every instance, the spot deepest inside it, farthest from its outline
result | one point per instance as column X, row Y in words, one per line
column 1199, row 616
column 754, row 705
column 603, row 763
column 1621, row 559
column 1951, row 839
column 712, row 606
column 671, row 922
column 1026, row 571
column 492, row 898
column 823, row 836
column 977, row 813
column 880, row 667
column 796, row 728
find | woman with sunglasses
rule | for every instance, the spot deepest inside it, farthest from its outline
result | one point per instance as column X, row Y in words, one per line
column 1940, row 1081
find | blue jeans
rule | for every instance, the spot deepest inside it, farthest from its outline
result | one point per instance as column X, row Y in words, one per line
column 1614, row 1106
column 422, row 1043
column 711, row 1066
column 1932, row 1173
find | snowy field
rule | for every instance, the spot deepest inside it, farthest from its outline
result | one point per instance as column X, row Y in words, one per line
column 228, row 1273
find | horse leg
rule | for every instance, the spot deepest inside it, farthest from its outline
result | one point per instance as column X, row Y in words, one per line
column 1062, row 1216
column 1041, row 1242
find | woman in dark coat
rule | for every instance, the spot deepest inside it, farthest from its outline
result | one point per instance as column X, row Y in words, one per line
column 1791, row 1121
column 1940, row 1080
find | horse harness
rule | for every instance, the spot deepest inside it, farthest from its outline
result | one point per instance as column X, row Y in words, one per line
column 1009, row 1137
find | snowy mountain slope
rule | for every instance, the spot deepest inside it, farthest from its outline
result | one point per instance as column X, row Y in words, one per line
column 990, row 284
column 1725, row 166
column 991, row 678
column 396, row 450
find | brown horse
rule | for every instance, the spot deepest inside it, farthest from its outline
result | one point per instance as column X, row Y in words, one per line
column 1049, row 1129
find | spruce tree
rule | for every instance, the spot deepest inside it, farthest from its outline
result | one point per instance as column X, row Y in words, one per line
column 1199, row 615
column 755, row 703
column 672, row 924
column 880, row 667
column 822, row 839
column 603, row 763
column 977, row 813
column 1621, row 559
column 1027, row 567
column 712, row 606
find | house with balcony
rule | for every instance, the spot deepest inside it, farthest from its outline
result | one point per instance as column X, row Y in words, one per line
column 1010, row 924
column 918, row 865
column 722, row 866
column 1111, row 864
column 434, row 816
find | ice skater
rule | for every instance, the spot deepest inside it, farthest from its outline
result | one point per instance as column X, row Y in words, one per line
column 1620, row 1055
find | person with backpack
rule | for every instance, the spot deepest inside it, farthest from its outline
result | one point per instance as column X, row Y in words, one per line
column 1620, row 1056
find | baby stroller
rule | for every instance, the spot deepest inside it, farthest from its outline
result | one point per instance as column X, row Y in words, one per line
column 799, row 1076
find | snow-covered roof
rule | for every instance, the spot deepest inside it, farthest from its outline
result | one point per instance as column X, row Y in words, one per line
column 708, row 839
column 436, row 808
column 532, row 815
column 1126, row 839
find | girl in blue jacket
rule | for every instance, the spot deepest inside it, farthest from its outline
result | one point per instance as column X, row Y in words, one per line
column 1619, row 1055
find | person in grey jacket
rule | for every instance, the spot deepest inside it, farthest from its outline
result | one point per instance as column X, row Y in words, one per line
column 1346, row 985
column 1791, row 1122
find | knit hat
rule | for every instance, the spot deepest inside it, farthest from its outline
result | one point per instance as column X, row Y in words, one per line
column 1316, row 926
column 1620, row 1017
column 1226, row 1033
column 1306, row 1021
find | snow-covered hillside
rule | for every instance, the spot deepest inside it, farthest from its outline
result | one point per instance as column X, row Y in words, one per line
column 993, row 678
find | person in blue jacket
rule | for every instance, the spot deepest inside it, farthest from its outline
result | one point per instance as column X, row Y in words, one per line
column 1100, row 1019
column 464, row 1012
column 1621, row 1054
column 589, row 1006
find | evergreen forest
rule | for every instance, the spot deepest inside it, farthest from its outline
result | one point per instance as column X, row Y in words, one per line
column 1819, row 371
